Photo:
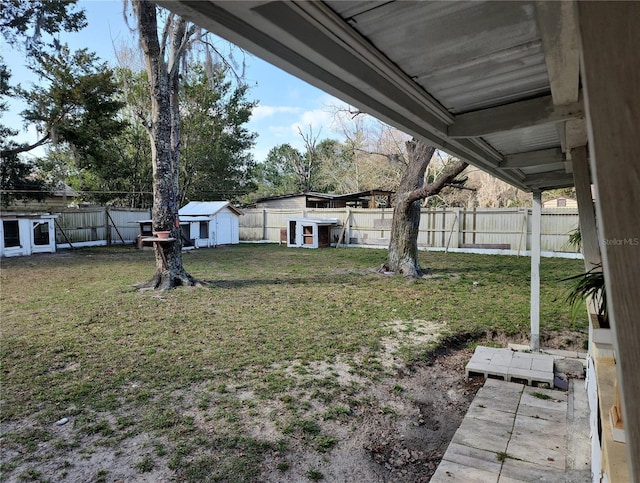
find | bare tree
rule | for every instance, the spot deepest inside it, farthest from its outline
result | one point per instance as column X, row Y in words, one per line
column 403, row 245
column 305, row 166
column 374, row 153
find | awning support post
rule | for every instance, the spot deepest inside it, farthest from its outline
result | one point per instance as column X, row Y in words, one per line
column 535, row 270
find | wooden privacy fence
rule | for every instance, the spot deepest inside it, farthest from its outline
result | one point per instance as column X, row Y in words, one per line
column 98, row 226
column 451, row 228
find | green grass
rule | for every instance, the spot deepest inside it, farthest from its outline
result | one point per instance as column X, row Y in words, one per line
column 314, row 475
column 78, row 341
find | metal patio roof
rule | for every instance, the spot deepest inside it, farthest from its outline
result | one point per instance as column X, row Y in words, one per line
column 495, row 83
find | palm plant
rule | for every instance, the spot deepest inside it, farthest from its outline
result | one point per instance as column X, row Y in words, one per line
column 588, row 285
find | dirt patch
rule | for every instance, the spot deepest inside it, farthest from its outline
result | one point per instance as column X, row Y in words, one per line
column 394, row 429
column 564, row 339
column 400, row 435
column 337, row 423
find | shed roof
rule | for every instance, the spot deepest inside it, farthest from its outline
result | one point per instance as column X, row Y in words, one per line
column 206, row 208
column 328, row 196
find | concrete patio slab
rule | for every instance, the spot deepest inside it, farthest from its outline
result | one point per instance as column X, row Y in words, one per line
column 489, row 435
column 518, row 471
column 449, row 471
column 473, row 457
column 514, row 433
column 506, row 399
column 538, row 441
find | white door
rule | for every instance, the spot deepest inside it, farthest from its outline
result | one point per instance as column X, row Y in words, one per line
column 14, row 240
column 224, row 229
column 42, row 236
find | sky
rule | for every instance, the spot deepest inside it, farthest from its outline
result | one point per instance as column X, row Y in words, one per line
column 285, row 103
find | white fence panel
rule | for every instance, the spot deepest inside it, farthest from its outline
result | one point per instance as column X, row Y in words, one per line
column 99, row 225
column 506, row 228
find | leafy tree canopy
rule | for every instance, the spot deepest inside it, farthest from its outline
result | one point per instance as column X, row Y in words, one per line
column 216, row 162
column 26, row 21
column 73, row 101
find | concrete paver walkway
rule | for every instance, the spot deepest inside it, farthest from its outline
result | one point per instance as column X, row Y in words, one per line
column 514, row 433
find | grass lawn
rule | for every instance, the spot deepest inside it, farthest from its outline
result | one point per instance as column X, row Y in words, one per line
column 182, row 372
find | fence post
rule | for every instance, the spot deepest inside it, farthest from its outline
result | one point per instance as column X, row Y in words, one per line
column 107, row 226
column 264, row 224
column 456, row 222
column 522, row 244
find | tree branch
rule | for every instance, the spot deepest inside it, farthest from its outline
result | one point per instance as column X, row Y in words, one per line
column 446, row 177
column 24, row 148
column 391, row 157
column 460, row 186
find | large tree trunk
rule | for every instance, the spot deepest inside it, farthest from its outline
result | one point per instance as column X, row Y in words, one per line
column 403, row 246
column 165, row 146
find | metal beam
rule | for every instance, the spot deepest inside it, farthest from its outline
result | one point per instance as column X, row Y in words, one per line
column 554, row 179
column 558, row 26
column 516, row 115
column 532, row 158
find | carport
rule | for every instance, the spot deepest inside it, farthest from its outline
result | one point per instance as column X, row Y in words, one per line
column 540, row 94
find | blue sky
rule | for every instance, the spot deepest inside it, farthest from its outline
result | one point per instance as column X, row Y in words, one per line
column 285, row 102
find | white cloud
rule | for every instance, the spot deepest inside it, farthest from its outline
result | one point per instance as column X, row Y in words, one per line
column 318, row 120
column 261, row 111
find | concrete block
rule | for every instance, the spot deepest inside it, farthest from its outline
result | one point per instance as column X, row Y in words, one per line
column 521, row 363
column 544, row 365
column 531, row 376
column 485, row 369
column 502, row 358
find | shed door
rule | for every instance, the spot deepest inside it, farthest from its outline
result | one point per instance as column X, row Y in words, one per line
column 224, row 229
column 41, row 236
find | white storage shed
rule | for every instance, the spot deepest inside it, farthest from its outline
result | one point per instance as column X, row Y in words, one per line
column 24, row 234
column 310, row 232
column 210, row 223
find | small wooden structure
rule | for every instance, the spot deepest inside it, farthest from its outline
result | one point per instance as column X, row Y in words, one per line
column 202, row 224
column 24, row 234
column 210, row 223
column 310, row 232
